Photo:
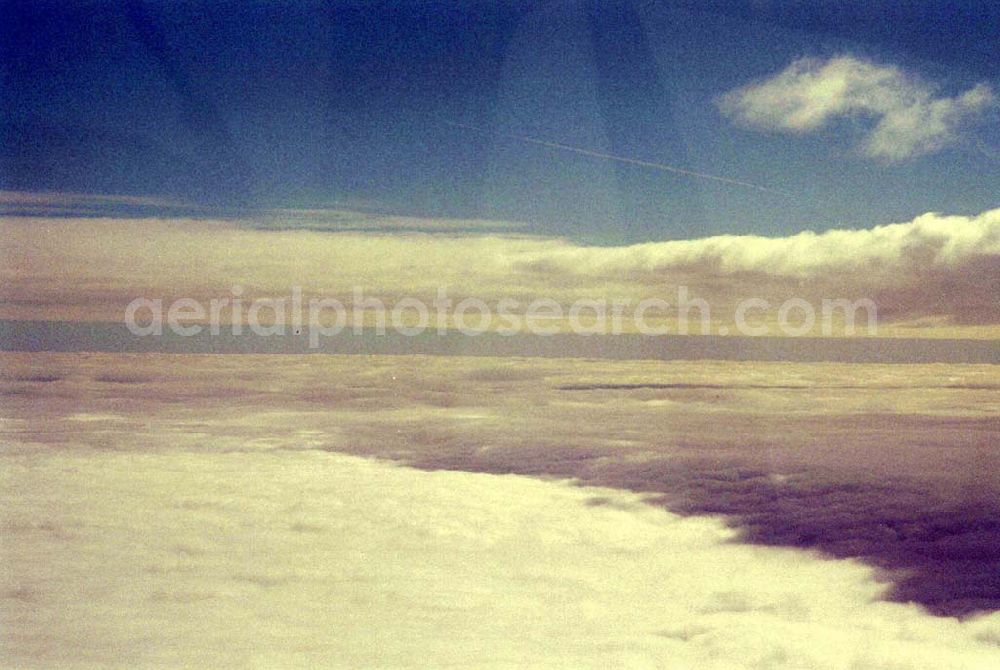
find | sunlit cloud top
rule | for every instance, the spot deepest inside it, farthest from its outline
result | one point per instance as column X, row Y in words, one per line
column 910, row 117
column 933, row 269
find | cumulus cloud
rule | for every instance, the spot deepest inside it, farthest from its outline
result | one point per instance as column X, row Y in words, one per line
column 930, row 240
column 932, row 265
column 911, row 118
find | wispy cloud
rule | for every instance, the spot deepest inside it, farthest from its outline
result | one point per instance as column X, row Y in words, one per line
column 344, row 220
column 911, row 118
column 80, row 204
column 338, row 216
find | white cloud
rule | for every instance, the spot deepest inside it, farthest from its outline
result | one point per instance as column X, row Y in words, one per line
column 911, row 118
column 218, row 533
column 894, row 250
column 934, row 265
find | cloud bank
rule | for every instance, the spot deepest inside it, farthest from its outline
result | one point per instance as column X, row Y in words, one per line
column 928, row 241
column 912, row 119
column 934, row 269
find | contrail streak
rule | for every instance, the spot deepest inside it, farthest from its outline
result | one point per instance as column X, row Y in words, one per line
column 620, row 159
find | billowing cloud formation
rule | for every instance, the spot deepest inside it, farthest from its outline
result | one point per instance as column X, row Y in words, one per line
column 933, row 267
column 928, row 241
column 911, row 119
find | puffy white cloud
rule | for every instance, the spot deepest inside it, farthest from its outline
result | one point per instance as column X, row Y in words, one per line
column 320, row 559
column 911, row 118
column 930, row 240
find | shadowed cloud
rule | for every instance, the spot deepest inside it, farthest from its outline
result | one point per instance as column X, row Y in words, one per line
column 894, row 465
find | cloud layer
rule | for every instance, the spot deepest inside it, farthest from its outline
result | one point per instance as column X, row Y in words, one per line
column 168, row 511
column 911, row 118
column 930, row 271
column 337, row 216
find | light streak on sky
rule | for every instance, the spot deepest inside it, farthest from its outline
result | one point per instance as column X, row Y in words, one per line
column 620, row 159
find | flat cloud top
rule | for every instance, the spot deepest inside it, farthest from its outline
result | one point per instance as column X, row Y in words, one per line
column 199, row 499
column 934, row 269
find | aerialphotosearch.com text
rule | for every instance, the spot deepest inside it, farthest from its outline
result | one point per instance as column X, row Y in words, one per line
column 325, row 317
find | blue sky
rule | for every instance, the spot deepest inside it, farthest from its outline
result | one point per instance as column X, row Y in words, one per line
column 239, row 106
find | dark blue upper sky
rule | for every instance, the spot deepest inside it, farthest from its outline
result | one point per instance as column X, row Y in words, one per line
column 247, row 105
